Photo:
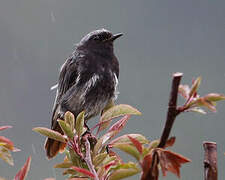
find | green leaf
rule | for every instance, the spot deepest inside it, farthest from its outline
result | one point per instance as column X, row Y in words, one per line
column 80, row 124
column 70, row 172
column 6, row 155
column 64, row 165
column 129, row 149
column 69, row 118
column 8, row 143
column 116, row 111
column 99, row 159
column 119, row 110
column 214, row 97
column 66, row 128
column 145, row 151
column 74, row 158
column 2, row 144
column 108, row 106
column 50, row 133
column 203, row 102
column 98, row 146
column 195, row 86
column 125, row 140
column 109, row 159
column 123, row 173
column 126, row 166
column 198, row 110
column 209, row 105
column 153, row 144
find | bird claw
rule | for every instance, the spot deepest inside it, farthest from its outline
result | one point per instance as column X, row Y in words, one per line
column 90, row 137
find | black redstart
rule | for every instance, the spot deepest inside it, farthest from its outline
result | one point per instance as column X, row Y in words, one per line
column 87, row 81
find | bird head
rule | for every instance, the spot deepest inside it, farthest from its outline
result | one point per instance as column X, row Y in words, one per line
column 98, row 39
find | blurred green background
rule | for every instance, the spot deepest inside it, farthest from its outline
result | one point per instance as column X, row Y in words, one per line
column 160, row 37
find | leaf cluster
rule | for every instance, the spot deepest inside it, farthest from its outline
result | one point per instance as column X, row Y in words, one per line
column 90, row 155
column 6, row 147
column 105, row 161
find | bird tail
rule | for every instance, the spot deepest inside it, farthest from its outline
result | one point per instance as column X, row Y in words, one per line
column 52, row 146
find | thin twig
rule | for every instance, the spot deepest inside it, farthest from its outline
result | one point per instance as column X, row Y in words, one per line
column 172, row 109
column 210, row 161
column 171, row 116
column 88, row 159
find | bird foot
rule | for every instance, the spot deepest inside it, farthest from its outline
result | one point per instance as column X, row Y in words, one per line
column 91, row 138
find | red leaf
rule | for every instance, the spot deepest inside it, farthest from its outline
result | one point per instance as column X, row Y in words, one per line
column 136, row 143
column 9, row 143
column 147, row 161
column 4, row 127
column 21, row 175
column 83, row 171
column 170, row 142
column 149, row 172
column 100, row 124
column 107, row 166
column 209, row 105
column 77, row 178
column 119, row 125
column 170, row 161
column 114, row 112
column 125, row 140
column 118, row 158
column 194, row 87
column 108, row 136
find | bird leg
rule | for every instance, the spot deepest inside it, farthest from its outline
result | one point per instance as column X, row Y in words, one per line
column 91, row 138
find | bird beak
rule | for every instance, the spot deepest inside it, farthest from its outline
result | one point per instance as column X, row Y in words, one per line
column 115, row 36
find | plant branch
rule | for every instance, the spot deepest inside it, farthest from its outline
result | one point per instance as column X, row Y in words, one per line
column 171, row 115
column 88, row 159
column 172, row 109
column 210, row 161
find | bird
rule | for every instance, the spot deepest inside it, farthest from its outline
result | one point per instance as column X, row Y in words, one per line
column 87, row 82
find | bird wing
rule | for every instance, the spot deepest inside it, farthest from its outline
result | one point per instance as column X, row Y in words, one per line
column 67, row 78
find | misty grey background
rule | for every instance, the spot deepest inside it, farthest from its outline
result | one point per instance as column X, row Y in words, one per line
column 160, row 37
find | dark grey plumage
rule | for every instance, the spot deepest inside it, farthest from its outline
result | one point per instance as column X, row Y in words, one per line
column 87, row 81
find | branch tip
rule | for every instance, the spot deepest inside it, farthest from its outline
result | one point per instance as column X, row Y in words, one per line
column 178, row 74
column 209, row 143
column 210, row 160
